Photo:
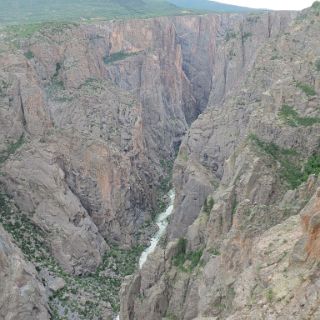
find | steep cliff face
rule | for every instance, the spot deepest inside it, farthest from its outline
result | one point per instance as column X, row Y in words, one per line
column 22, row 295
column 104, row 105
column 245, row 183
column 91, row 117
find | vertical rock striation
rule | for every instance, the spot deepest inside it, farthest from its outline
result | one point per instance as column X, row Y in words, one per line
column 245, row 180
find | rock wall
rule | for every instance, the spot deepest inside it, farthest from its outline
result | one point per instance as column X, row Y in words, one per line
column 22, row 294
column 91, row 117
column 235, row 247
column 102, row 105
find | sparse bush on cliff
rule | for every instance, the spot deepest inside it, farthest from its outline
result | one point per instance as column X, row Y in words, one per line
column 306, row 88
column 208, row 205
column 29, row 55
column 121, row 55
column 292, row 118
column 289, row 170
column 312, row 166
column 246, row 36
column 292, row 168
column 186, row 261
column 11, row 149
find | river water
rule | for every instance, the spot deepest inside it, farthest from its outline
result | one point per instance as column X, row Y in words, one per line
column 162, row 223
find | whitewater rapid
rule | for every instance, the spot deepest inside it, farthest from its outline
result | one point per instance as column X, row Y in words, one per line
column 162, row 223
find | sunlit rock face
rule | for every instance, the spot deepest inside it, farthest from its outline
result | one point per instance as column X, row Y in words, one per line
column 243, row 239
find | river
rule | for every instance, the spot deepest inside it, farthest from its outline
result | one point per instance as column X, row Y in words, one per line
column 162, row 223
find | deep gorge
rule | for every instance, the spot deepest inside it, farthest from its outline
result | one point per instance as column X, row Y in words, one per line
column 92, row 118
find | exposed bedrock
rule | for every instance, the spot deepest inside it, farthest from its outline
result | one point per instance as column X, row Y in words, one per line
column 101, row 106
column 242, row 242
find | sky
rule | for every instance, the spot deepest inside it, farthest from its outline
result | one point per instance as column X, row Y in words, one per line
column 272, row 4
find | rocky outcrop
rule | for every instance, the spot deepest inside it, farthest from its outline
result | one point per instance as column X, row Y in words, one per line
column 73, row 237
column 22, row 295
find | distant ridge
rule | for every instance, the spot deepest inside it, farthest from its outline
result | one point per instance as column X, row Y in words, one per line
column 208, row 5
column 34, row 11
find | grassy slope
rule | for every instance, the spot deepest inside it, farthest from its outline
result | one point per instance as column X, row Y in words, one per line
column 209, row 6
column 33, row 11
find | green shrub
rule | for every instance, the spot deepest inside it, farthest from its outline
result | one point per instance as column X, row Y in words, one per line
column 317, row 65
column 306, row 88
column 29, row 55
column 234, row 205
column 121, row 55
column 208, row 205
column 292, row 118
column 312, row 166
column 246, row 36
column 271, row 148
column 181, row 257
column 275, row 57
column 270, row 295
column 182, row 246
column 292, row 171
column 287, row 158
column 316, row 5
column 214, row 251
column 230, row 35
column 11, row 149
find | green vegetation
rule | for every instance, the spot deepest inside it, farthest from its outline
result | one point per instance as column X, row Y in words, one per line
column 214, row 6
column 121, row 55
column 24, row 31
column 253, row 18
column 289, row 170
column 96, row 287
column 275, row 57
column 170, row 316
column 230, row 35
column 246, row 36
column 306, row 88
column 317, row 64
column 316, row 6
column 56, row 88
column 214, row 252
column 234, row 206
column 186, row 261
column 292, row 118
column 183, row 155
column 292, row 170
column 34, row 11
column 29, row 55
column 208, row 205
column 164, row 187
column 11, row 149
column 3, row 87
column 312, row 166
column 270, row 295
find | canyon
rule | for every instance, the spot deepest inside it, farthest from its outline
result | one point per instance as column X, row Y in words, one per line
column 96, row 119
